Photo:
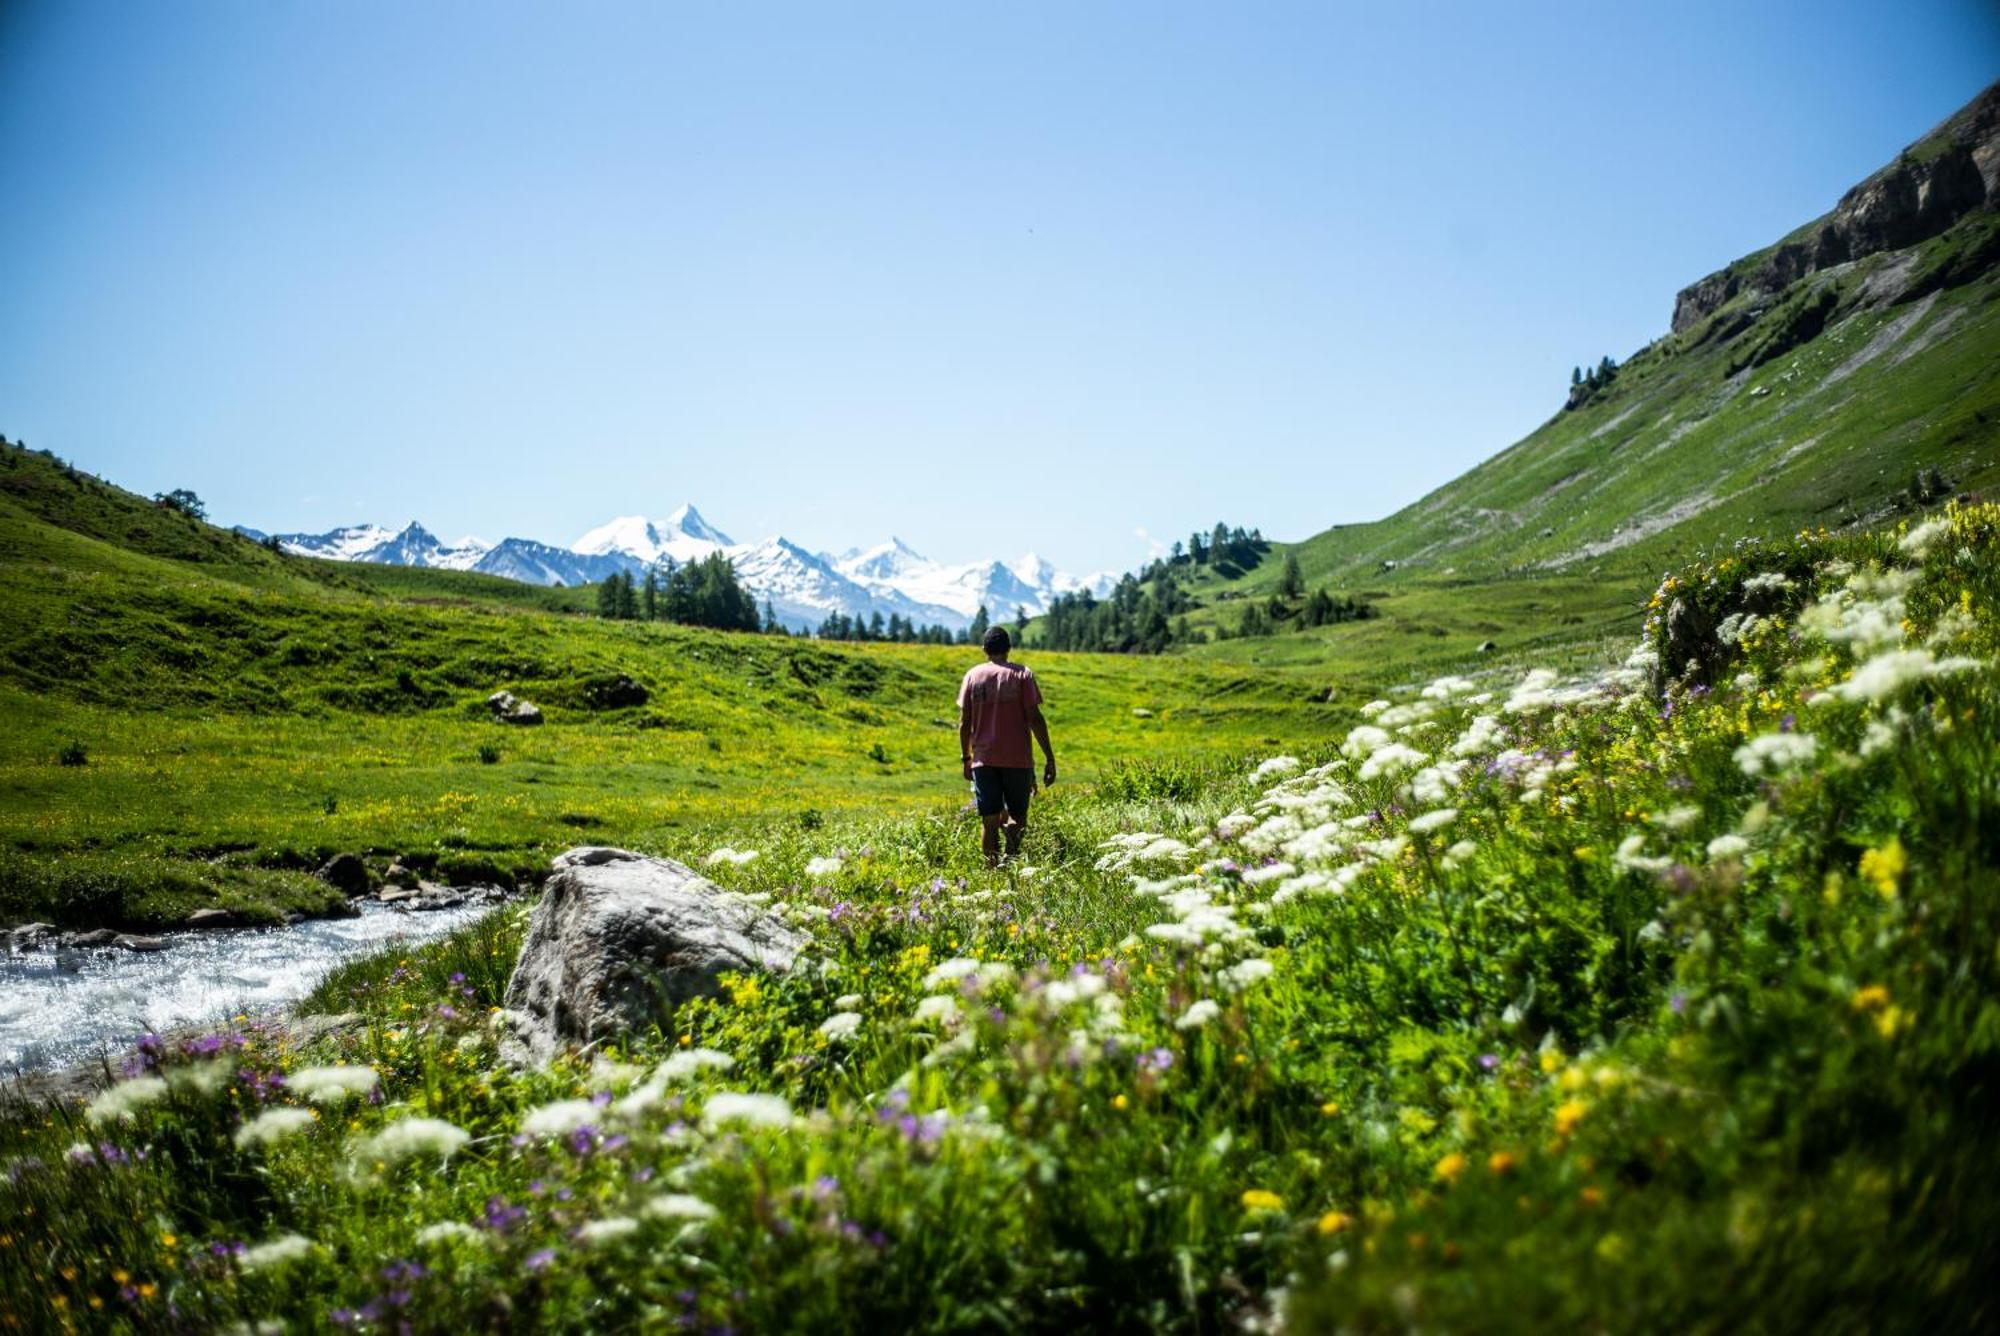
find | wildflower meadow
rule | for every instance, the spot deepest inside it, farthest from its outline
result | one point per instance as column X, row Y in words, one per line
column 1526, row 1000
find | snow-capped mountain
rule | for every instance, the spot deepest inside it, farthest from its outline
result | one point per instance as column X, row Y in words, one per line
column 802, row 587
column 684, row 536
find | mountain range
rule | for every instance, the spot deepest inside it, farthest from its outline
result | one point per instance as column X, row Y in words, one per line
column 802, row 587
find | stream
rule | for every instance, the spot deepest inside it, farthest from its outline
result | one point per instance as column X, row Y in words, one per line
column 61, row 1007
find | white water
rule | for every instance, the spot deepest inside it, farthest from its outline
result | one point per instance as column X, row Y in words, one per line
column 61, row 1007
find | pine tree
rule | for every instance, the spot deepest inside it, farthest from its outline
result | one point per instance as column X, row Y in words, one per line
column 649, row 598
column 977, row 631
column 1291, row 581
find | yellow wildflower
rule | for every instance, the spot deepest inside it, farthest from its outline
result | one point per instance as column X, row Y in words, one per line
column 1450, row 1167
column 1334, row 1221
column 1330, row 1108
column 1551, row 1060
column 1261, row 1199
column 1892, row 1022
column 1883, row 868
column 1869, row 998
column 1120, row 1102
column 1501, row 1162
column 1569, row 1114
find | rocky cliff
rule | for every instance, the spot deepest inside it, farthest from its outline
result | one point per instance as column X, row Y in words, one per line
column 1944, row 176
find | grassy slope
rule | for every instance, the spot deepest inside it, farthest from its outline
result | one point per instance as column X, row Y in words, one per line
column 1649, row 1044
column 272, row 711
column 1584, row 512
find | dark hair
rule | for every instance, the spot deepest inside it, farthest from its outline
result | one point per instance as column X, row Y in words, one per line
column 997, row 641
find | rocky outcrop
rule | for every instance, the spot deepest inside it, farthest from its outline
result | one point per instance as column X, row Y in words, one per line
column 347, row 874
column 1950, row 173
column 619, row 940
column 511, row 709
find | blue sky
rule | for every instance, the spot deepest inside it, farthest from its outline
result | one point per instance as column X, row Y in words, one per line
column 990, row 277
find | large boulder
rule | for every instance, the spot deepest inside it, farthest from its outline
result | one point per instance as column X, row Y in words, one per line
column 619, row 940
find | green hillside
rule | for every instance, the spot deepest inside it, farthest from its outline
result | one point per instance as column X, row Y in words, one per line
column 1814, row 405
column 242, row 715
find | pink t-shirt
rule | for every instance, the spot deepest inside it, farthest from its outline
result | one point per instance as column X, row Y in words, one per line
column 997, row 697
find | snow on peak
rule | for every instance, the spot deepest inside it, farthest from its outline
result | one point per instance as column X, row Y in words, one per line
column 688, row 521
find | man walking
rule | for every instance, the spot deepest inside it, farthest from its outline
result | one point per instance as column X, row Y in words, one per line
column 999, row 706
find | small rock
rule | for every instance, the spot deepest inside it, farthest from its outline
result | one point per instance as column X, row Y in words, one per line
column 400, row 875
column 389, row 895
column 28, row 934
column 211, row 918
column 511, row 709
column 347, row 874
column 95, row 937
column 1487, row 646
column 132, row 941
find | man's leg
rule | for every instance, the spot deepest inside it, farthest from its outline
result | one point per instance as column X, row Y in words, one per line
column 1019, row 787
column 989, row 837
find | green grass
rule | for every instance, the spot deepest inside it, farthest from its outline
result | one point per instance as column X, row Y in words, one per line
column 1678, row 456
column 1598, row 1030
column 275, row 712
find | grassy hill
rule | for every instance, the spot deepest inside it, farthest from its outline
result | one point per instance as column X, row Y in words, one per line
column 1815, row 405
column 241, row 715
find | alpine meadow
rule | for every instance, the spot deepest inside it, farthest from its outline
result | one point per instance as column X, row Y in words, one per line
column 1567, row 903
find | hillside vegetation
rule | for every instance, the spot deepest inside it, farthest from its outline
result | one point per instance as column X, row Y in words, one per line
column 1850, row 394
column 1561, row 1000
column 240, row 716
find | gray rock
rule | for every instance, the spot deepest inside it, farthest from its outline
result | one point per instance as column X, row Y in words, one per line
column 132, row 941
column 211, row 918
column 511, row 709
column 95, row 937
column 347, row 874
column 618, row 940
column 1488, row 646
column 28, row 935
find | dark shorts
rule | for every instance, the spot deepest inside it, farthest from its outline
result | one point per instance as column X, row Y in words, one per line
column 997, row 788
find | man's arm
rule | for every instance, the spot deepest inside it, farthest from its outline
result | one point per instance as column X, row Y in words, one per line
column 1040, row 727
column 965, row 741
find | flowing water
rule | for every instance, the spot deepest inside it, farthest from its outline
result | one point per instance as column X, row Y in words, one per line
column 59, row 1007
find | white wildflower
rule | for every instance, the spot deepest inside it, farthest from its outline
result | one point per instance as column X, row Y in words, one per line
column 272, row 1126
column 125, row 1099
column 1431, row 821
column 950, row 971
column 1244, row 973
column 690, row 1061
column 608, row 1230
column 1198, row 1015
column 1918, row 541
column 1882, row 734
column 1434, row 783
column 1457, row 855
column 824, row 867
column 753, row 1110
column 1445, row 688
column 1771, row 753
column 679, row 1206
column 560, row 1118
column 1629, row 857
column 1677, row 818
column 1534, row 693
column 841, row 1026
column 1364, row 741
column 275, row 1252
column 1277, row 765
column 1892, row 670
column 734, row 857
column 449, row 1231
column 1373, row 708
column 941, row 1008
column 412, row 1138
column 1391, row 761
column 1766, row 582
column 1479, row 736
column 1727, row 846
column 1257, row 876
column 331, row 1085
